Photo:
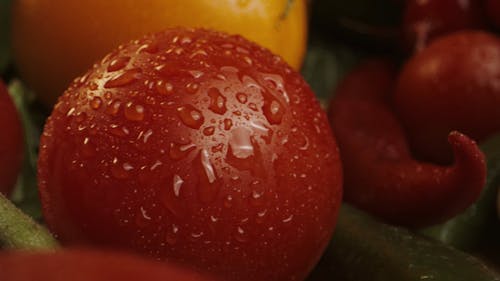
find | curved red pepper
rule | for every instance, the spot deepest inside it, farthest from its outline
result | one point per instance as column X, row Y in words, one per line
column 380, row 174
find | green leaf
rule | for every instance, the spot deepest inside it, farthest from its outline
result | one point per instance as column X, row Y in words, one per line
column 4, row 34
column 25, row 195
column 326, row 64
column 478, row 228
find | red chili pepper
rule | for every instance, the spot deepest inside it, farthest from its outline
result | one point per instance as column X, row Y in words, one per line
column 380, row 174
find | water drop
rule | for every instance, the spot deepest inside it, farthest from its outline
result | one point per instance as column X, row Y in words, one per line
column 198, row 53
column 156, row 165
column 147, row 135
column 148, row 48
column 119, row 171
column 113, row 108
column 228, row 124
column 248, row 60
column 96, row 103
column 118, row 131
column 208, row 131
column 252, row 106
column 217, row 148
column 134, row 112
column 288, row 219
column 70, row 112
column 164, row 88
column 118, row 64
column 178, row 181
column 266, row 132
column 273, row 110
column 186, row 40
column 217, row 101
column 171, row 236
column 178, row 151
column 196, row 73
column 88, row 149
column 209, row 169
column 228, row 202
column 192, row 87
column 240, row 143
column 241, row 236
column 190, row 116
column 197, row 235
column 260, row 216
column 125, row 78
column 242, row 98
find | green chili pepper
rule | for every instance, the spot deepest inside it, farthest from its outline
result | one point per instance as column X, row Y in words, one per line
column 364, row 249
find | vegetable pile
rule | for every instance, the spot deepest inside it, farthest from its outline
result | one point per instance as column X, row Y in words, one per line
column 193, row 140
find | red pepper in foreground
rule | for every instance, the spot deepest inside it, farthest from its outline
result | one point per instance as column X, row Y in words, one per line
column 381, row 176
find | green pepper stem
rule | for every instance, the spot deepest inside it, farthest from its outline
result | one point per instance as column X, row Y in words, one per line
column 19, row 231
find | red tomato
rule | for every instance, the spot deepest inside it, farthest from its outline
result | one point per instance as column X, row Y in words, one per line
column 198, row 147
column 11, row 142
column 85, row 265
column 451, row 85
column 426, row 20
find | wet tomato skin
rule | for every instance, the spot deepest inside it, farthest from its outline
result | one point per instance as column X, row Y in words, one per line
column 84, row 265
column 11, row 142
column 198, row 147
column 450, row 85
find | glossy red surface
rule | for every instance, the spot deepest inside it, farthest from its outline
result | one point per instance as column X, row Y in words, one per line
column 452, row 85
column 197, row 147
column 426, row 20
column 11, row 142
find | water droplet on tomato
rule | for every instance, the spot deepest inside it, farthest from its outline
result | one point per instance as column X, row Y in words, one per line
column 260, row 216
column 196, row 73
column 190, row 116
column 228, row 201
column 273, row 110
column 196, row 235
column 178, row 181
column 265, row 131
column 252, row 106
column 88, row 149
column 207, row 166
column 113, row 108
column 178, row 151
column 125, row 78
column 118, row 64
column 171, row 236
column 240, row 143
column 118, row 131
column 164, row 88
column 242, row 98
column 217, row 148
column 134, row 112
column 228, row 124
column 217, row 101
column 240, row 235
column 192, row 87
column 119, row 170
column 96, row 103
column 208, row 131
column 147, row 135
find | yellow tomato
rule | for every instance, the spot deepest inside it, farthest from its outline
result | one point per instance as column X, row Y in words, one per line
column 56, row 40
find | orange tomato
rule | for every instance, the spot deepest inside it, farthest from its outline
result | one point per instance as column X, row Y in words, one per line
column 54, row 41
